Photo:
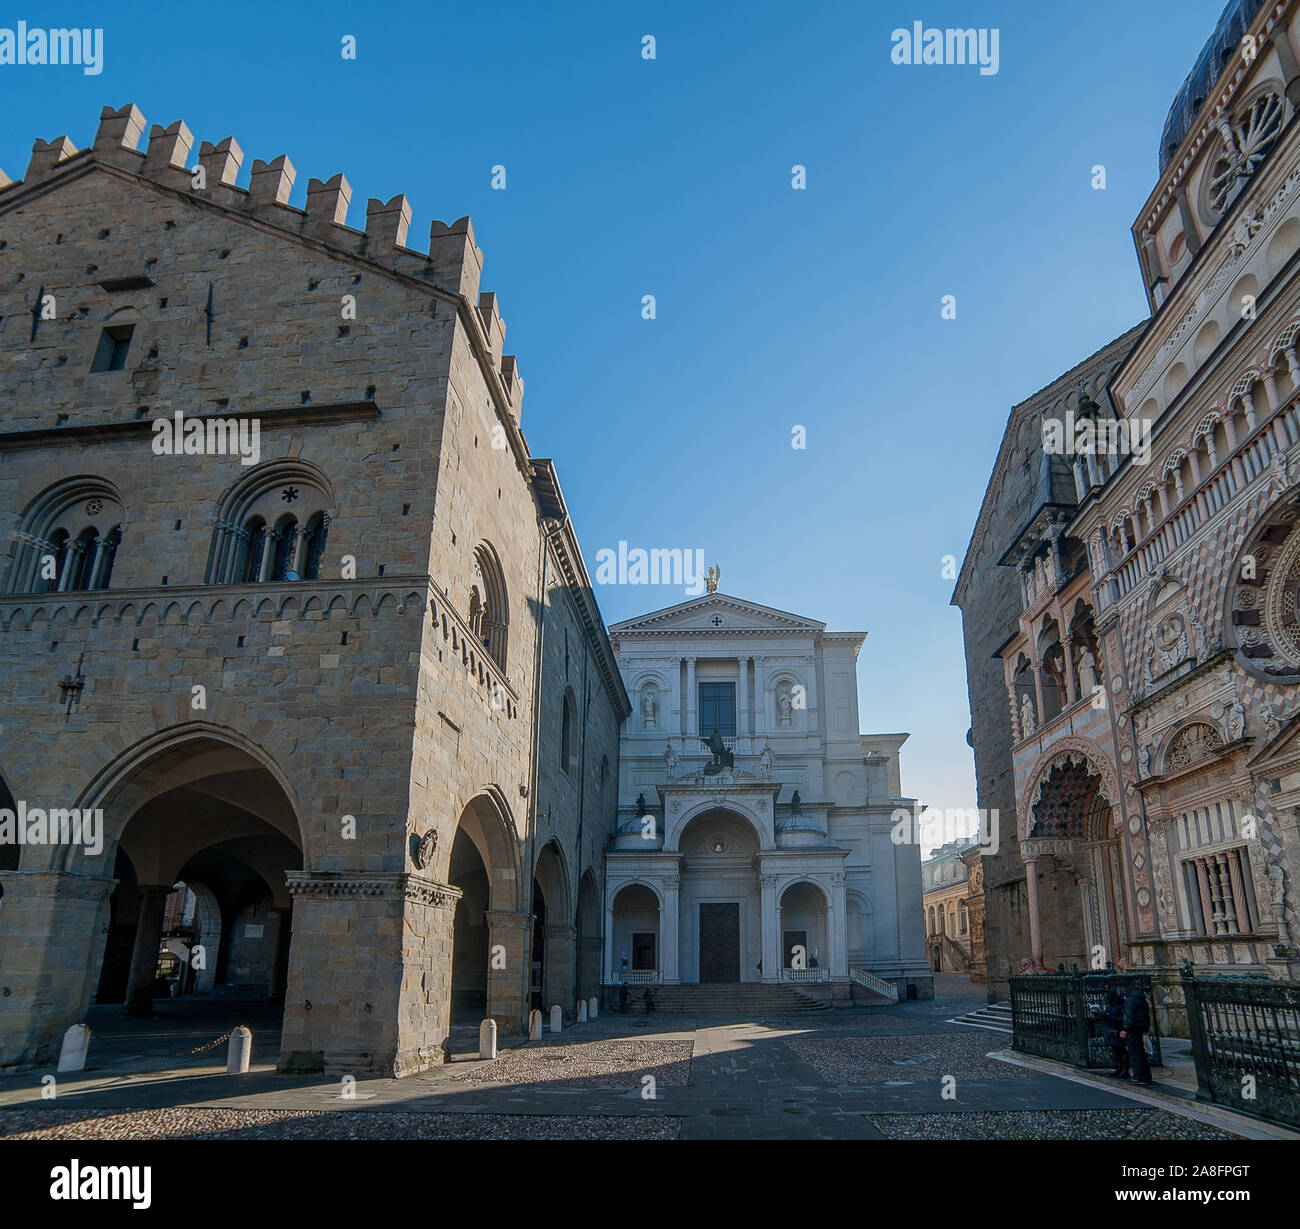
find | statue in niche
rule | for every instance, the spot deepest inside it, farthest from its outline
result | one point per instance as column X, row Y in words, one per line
column 650, row 707
column 1236, row 717
column 784, row 705
column 1147, row 750
column 1088, row 680
column 1028, row 721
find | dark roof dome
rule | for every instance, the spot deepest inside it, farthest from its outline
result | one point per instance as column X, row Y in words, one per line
column 1234, row 21
column 800, row 823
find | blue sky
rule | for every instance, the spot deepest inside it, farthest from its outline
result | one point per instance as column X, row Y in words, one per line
column 775, row 307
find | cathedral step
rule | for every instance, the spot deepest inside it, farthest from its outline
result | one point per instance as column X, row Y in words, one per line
column 720, row 999
column 996, row 1016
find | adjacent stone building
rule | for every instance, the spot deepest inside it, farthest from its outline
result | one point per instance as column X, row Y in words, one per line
column 322, row 646
column 1151, row 673
column 768, row 855
column 945, row 886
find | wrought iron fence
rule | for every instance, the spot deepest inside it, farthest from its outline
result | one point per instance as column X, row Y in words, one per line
column 1245, row 1033
column 1060, row 1015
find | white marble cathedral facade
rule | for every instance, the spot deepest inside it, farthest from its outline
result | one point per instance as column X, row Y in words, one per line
column 775, row 865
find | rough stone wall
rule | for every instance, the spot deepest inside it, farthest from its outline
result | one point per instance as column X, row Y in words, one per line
column 359, row 692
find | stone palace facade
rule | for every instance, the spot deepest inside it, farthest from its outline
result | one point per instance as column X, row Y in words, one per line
column 351, row 686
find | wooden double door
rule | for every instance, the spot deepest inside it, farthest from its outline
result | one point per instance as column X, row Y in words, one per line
column 720, row 941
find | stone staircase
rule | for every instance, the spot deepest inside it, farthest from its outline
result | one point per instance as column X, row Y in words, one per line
column 996, row 1016
column 730, row 999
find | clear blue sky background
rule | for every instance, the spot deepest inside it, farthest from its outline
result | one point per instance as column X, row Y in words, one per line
column 775, row 307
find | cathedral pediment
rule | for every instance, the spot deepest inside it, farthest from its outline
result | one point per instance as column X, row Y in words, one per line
column 714, row 613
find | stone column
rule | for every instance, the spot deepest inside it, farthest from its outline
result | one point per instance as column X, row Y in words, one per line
column 669, row 970
column 1035, row 918
column 71, row 559
column 266, row 562
column 96, row 564
column 742, row 700
column 144, row 955
column 557, row 976
column 280, row 962
column 770, row 922
column 760, row 695
column 507, row 986
column 681, row 696
column 692, row 698
column 51, row 945
column 1071, row 690
column 836, row 927
column 609, row 967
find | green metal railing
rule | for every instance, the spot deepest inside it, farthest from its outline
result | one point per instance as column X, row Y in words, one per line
column 1245, row 1033
column 1058, row 1015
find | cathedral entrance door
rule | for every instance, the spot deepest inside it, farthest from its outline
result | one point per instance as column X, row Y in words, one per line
column 720, row 942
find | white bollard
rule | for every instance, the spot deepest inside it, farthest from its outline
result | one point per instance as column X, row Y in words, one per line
column 76, row 1042
column 241, row 1049
column 487, row 1039
column 557, row 1018
column 591, row 1008
column 582, row 1011
column 534, row 1024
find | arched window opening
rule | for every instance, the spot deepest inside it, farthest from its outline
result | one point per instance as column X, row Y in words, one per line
column 272, row 527
column 60, row 547
column 489, row 609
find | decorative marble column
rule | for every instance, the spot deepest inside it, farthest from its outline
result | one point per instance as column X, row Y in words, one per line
column 144, row 955
column 837, row 916
column 669, row 916
column 742, row 705
column 692, row 729
column 1035, row 918
column 760, row 695
column 770, row 923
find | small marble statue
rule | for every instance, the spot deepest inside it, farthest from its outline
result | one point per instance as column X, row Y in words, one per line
column 1236, row 718
column 650, row 708
column 1028, row 722
column 785, row 706
column 765, row 763
column 1272, row 723
column 670, row 762
column 1088, row 680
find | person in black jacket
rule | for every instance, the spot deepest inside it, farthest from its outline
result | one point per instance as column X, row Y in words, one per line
column 1112, row 1016
column 1134, row 1024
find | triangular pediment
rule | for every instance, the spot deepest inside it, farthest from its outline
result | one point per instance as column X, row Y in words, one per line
column 717, row 612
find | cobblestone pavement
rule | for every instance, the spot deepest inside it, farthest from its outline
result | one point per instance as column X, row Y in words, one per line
column 872, row 1073
column 1138, row 1124
column 196, row 1123
column 587, row 1064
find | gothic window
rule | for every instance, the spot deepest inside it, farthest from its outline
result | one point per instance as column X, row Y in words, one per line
column 272, row 526
column 489, row 610
column 67, row 540
column 1052, row 655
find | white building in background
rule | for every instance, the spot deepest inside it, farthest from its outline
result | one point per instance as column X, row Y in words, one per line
column 768, row 857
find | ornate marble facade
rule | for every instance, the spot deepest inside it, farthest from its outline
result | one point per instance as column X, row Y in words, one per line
column 772, row 859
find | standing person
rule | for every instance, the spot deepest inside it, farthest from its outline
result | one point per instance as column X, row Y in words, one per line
column 622, row 997
column 1135, row 1022
column 1113, row 1016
